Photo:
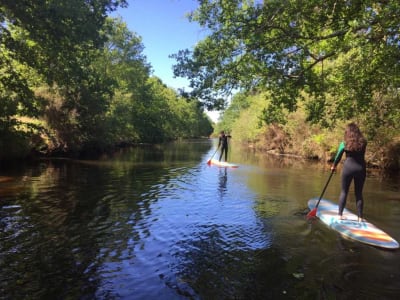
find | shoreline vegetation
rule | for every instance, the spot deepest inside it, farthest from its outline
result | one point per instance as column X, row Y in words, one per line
column 297, row 136
column 73, row 90
column 271, row 142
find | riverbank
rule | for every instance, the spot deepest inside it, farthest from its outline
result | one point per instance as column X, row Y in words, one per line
column 298, row 139
column 274, row 140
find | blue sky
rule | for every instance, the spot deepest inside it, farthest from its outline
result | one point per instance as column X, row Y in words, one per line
column 165, row 30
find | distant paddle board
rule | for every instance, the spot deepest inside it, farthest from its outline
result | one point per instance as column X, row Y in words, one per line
column 223, row 164
column 364, row 232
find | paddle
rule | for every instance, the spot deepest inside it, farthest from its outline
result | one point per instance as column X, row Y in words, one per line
column 209, row 161
column 313, row 212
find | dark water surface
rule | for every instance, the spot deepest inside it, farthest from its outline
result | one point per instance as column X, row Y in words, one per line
column 159, row 223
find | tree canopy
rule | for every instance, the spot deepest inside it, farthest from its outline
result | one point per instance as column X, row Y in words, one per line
column 72, row 79
column 341, row 54
column 48, row 39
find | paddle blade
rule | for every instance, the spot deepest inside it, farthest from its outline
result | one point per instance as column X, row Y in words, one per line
column 209, row 162
column 312, row 213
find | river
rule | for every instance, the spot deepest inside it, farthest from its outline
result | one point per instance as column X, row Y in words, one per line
column 159, row 223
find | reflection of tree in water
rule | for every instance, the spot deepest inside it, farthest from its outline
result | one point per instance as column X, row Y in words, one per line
column 170, row 152
column 70, row 221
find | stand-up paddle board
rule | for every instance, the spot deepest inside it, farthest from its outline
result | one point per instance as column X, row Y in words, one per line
column 223, row 164
column 364, row 232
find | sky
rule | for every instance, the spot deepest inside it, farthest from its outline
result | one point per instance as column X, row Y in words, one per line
column 164, row 29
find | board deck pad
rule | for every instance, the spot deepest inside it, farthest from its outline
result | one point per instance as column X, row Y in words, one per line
column 350, row 227
column 223, row 164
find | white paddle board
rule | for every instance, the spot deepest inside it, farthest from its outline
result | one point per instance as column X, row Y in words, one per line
column 350, row 227
column 223, row 164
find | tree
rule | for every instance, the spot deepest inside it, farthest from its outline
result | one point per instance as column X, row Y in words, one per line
column 53, row 40
column 344, row 49
column 57, row 33
column 142, row 108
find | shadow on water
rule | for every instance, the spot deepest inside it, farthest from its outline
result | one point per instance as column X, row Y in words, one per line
column 159, row 223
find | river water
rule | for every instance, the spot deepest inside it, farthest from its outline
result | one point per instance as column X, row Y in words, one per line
column 159, row 223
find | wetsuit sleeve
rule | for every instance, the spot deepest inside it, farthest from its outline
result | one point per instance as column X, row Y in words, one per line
column 339, row 154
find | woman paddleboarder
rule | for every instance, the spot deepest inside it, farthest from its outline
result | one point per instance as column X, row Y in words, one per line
column 354, row 167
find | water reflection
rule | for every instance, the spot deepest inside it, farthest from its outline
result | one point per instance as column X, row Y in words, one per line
column 222, row 181
column 159, row 223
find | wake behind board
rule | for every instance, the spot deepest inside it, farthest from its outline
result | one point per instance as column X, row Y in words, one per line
column 223, row 164
column 364, row 232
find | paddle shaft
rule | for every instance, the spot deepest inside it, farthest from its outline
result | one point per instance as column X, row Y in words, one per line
column 338, row 156
column 323, row 191
column 212, row 155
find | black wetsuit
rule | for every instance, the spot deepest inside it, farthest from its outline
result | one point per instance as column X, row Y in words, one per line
column 223, row 142
column 354, row 168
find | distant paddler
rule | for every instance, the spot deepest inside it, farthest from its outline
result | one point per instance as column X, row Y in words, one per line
column 223, row 142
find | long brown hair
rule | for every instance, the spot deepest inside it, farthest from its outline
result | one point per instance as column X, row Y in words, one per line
column 354, row 139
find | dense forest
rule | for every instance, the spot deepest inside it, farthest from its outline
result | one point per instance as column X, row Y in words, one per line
column 75, row 81
column 300, row 70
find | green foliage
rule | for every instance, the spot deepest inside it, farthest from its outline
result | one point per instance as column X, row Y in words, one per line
column 83, row 86
column 243, row 117
column 337, row 53
column 247, row 127
column 329, row 62
column 47, row 39
column 176, row 116
column 239, row 102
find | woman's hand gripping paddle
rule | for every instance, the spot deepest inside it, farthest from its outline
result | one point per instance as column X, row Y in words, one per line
column 209, row 161
column 313, row 212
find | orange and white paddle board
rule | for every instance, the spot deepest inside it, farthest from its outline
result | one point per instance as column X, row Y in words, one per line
column 350, row 227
